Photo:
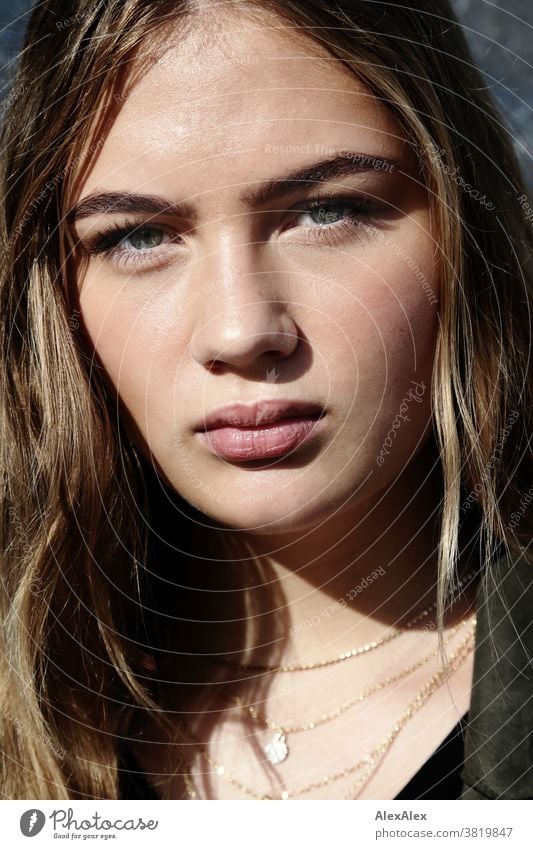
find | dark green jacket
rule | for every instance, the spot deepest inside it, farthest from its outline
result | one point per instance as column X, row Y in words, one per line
column 499, row 739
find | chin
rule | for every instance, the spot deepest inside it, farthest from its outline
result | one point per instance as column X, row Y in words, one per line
column 271, row 501
column 264, row 517
column 263, row 513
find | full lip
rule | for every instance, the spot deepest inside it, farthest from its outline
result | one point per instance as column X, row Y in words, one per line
column 258, row 413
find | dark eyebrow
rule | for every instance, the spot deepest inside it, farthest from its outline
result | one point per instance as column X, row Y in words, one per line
column 272, row 190
column 319, row 172
column 114, row 202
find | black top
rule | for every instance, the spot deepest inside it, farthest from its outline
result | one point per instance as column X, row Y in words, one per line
column 437, row 778
column 440, row 776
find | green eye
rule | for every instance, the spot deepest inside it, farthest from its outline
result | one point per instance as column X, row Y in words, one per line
column 326, row 216
column 145, row 238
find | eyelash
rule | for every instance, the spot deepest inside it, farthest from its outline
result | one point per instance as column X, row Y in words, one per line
column 106, row 242
column 362, row 208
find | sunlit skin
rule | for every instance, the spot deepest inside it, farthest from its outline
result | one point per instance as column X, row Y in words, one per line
column 229, row 301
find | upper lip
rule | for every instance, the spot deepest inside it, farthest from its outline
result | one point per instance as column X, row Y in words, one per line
column 261, row 412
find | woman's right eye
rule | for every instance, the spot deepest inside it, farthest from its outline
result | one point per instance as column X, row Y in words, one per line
column 144, row 238
column 144, row 245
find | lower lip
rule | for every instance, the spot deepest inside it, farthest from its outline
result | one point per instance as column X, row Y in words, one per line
column 272, row 440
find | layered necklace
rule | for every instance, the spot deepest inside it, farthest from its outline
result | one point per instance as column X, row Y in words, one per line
column 346, row 655
column 277, row 748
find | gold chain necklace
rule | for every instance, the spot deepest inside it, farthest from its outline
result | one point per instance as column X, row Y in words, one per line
column 374, row 644
column 277, row 749
column 371, row 761
column 377, row 755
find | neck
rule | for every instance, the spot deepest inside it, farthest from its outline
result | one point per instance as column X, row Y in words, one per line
column 311, row 594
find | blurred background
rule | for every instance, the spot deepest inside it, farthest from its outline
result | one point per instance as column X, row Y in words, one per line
column 500, row 35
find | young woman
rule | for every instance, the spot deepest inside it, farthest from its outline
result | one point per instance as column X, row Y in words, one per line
column 266, row 301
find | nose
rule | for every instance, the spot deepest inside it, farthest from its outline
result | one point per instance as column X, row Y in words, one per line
column 241, row 322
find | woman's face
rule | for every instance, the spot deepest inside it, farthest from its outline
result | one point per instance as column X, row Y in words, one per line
column 236, row 291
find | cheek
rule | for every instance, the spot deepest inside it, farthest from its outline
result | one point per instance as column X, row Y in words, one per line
column 142, row 342
column 387, row 307
column 124, row 336
column 385, row 314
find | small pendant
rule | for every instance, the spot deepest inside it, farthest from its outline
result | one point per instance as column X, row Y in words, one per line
column 277, row 750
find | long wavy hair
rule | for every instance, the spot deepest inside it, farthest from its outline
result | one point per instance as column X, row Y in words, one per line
column 82, row 602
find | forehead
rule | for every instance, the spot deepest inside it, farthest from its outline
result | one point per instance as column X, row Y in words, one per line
column 239, row 91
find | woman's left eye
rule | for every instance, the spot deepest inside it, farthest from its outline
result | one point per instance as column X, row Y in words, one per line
column 334, row 217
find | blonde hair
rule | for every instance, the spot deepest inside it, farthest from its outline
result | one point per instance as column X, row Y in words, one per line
column 75, row 560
